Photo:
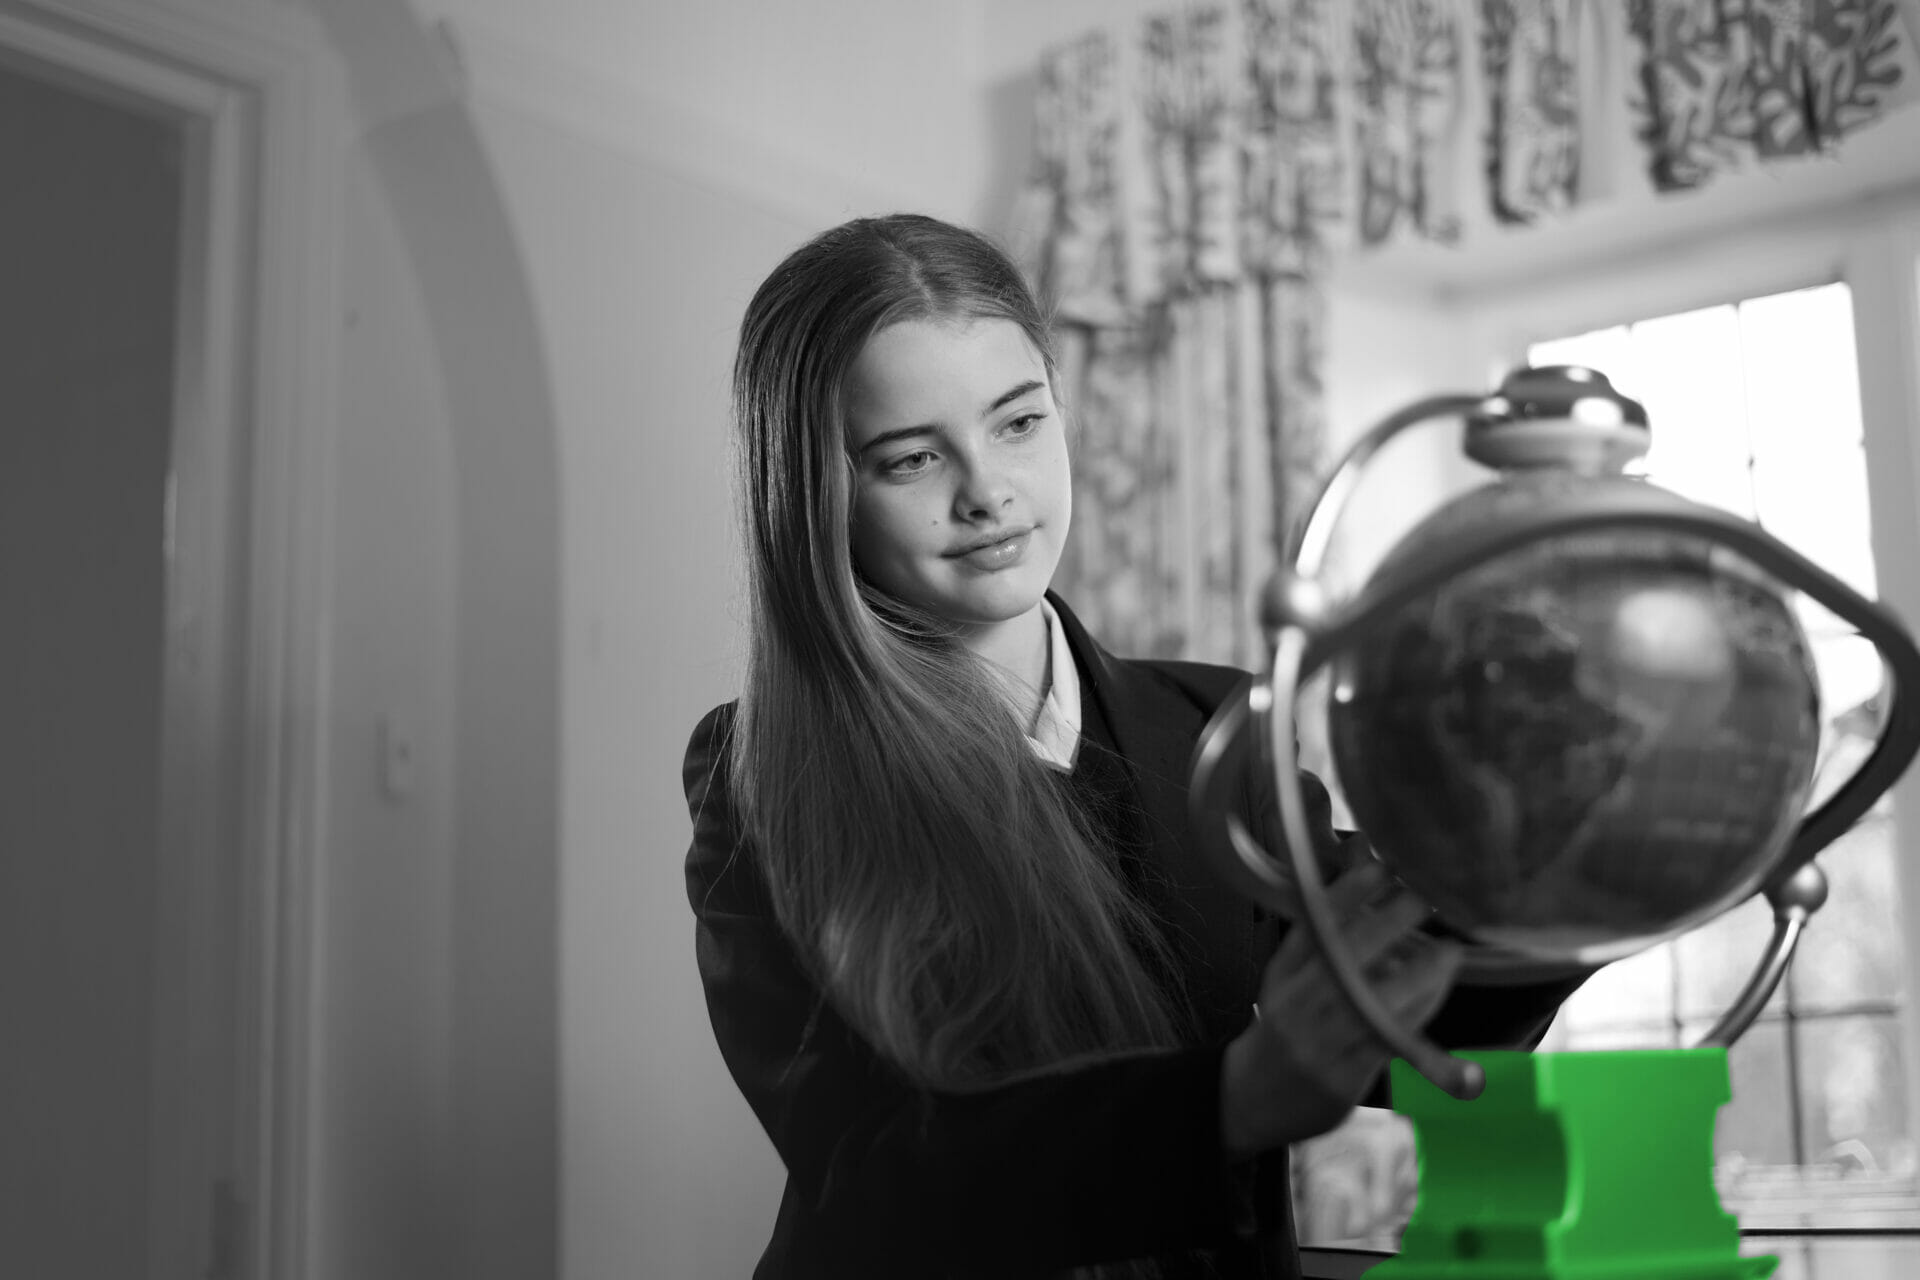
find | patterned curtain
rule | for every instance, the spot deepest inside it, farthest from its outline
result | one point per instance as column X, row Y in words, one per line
column 1407, row 110
column 1530, row 57
column 1726, row 82
column 1186, row 188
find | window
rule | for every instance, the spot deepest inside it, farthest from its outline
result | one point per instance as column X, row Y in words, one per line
column 1755, row 408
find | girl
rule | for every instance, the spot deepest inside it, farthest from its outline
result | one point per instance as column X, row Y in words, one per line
column 957, row 949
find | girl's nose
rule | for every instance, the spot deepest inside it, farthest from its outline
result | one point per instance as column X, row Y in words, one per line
column 985, row 491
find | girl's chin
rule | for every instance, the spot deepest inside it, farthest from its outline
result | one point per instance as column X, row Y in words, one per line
column 980, row 599
column 997, row 601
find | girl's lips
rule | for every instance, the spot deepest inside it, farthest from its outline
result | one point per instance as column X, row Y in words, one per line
column 998, row 555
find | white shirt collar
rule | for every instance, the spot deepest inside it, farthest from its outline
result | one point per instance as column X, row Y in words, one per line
column 1056, row 734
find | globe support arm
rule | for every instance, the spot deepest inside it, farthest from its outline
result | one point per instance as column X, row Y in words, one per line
column 1460, row 1077
column 1794, row 900
column 1317, row 535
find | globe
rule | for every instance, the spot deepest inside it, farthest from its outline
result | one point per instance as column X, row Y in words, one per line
column 1585, row 746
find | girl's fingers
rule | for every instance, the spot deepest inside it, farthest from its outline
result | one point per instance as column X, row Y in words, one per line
column 1371, row 907
column 1355, row 1053
column 1421, row 986
column 1411, row 980
column 1367, row 880
column 1311, row 1023
column 1386, row 921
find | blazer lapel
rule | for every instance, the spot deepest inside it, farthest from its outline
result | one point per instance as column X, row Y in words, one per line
column 1221, row 937
column 1154, row 727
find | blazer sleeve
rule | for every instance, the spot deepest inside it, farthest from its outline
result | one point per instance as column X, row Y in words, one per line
column 1117, row 1159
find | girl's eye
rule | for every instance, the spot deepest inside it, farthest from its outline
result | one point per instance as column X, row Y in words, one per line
column 1026, row 424
column 909, row 463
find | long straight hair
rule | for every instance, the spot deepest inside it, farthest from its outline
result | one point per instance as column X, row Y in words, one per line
column 937, row 877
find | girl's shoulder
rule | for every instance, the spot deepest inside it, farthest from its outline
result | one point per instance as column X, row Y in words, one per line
column 712, row 732
column 704, row 766
column 714, row 868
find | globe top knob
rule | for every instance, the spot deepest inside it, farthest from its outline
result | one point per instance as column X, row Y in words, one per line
column 1557, row 416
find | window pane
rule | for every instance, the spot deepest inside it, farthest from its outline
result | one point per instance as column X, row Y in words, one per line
column 1850, row 951
column 1814, row 499
column 1803, row 382
column 1687, row 371
column 1715, row 961
column 1646, row 1036
column 1755, row 1130
column 1635, row 992
column 1855, row 1113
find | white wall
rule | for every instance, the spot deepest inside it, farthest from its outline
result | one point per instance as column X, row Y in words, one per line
column 1386, row 351
column 867, row 103
column 640, row 277
column 384, row 1157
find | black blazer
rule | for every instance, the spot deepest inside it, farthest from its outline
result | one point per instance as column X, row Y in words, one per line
column 1121, row 1159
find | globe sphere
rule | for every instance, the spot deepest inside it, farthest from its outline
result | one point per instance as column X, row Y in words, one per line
column 1587, row 745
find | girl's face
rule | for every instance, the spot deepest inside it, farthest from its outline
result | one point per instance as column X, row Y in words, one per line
column 962, row 494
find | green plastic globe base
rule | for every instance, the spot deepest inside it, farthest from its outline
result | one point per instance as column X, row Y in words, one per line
column 1571, row 1166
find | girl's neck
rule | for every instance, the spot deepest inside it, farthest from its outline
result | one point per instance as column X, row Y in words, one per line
column 1017, row 652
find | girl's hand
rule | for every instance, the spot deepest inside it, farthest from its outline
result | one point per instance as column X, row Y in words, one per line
column 1308, row 1058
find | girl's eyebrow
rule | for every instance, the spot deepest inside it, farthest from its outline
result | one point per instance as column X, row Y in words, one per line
column 1000, row 401
column 888, row 437
column 1009, row 396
